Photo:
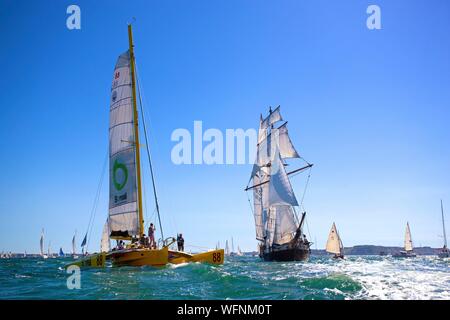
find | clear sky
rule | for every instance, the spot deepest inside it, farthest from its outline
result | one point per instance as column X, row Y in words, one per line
column 370, row 108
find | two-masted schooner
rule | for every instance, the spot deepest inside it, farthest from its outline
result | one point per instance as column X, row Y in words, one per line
column 408, row 251
column 445, row 252
column 334, row 243
column 125, row 220
column 278, row 228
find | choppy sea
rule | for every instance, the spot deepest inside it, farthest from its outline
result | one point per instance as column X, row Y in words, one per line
column 356, row 277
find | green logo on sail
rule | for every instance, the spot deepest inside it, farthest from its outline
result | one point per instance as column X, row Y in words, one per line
column 119, row 166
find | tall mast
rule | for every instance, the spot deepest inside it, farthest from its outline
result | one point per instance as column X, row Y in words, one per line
column 443, row 225
column 136, row 132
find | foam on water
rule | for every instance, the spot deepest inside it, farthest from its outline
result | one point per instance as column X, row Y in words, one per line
column 356, row 277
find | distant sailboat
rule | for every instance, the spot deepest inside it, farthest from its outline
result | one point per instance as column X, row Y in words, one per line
column 278, row 228
column 408, row 252
column 232, row 253
column 49, row 254
column 227, row 249
column 41, row 244
column 239, row 252
column 334, row 243
column 74, row 253
column 445, row 252
column 61, row 252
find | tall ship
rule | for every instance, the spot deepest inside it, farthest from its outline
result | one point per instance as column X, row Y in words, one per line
column 279, row 229
column 445, row 252
column 408, row 251
column 334, row 243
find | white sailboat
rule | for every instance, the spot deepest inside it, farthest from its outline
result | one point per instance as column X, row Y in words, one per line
column 334, row 243
column 227, row 249
column 408, row 246
column 445, row 252
column 232, row 253
column 239, row 252
column 278, row 228
column 41, row 245
column 74, row 253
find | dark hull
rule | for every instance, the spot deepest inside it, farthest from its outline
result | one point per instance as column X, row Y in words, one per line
column 290, row 254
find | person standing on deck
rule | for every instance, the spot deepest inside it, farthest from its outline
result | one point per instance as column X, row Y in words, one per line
column 180, row 242
column 151, row 236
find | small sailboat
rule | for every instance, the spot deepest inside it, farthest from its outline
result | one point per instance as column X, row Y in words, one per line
column 126, row 211
column 445, row 252
column 49, row 254
column 227, row 249
column 41, row 245
column 74, row 254
column 334, row 243
column 232, row 253
column 239, row 252
column 61, row 252
column 278, row 228
column 408, row 252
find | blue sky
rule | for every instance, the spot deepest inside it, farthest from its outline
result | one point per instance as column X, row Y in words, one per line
column 370, row 108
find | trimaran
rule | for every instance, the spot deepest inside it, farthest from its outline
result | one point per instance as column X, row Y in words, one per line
column 126, row 217
column 278, row 228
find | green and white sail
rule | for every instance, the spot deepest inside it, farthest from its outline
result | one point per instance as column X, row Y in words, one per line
column 123, row 205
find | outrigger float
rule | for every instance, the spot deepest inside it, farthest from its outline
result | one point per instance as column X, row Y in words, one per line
column 125, row 220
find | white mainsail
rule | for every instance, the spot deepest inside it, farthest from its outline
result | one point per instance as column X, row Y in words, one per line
column 123, row 207
column 42, row 242
column 443, row 225
column 105, row 245
column 334, row 243
column 408, row 240
column 272, row 118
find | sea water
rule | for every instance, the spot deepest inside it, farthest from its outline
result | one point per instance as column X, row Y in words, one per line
column 356, row 277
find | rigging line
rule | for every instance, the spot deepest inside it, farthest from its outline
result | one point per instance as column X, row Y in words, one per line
column 148, row 154
column 306, row 187
column 96, row 200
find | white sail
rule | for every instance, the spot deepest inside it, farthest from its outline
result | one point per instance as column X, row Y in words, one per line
column 280, row 189
column 333, row 242
column 273, row 117
column 105, row 245
column 73, row 245
column 123, row 208
column 408, row 240
column 285, row 225
column 42, row 243
column 443, row 226
column 227, row 250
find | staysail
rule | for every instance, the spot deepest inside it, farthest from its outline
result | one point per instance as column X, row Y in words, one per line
column 105, row 245
column 408, row 240
column 123, row 204
column 334, row 242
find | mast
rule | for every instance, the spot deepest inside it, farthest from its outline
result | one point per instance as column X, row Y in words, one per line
column 136, row 132
column 443, row 225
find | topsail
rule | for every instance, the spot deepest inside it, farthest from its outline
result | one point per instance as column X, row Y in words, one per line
column 123, row 205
